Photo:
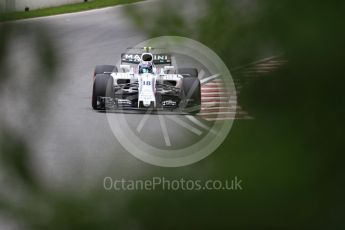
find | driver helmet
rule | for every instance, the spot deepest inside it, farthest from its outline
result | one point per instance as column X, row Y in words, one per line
column 145, row 68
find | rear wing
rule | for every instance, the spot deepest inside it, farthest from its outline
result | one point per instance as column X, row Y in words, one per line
column 135, row 58
column 133, row 55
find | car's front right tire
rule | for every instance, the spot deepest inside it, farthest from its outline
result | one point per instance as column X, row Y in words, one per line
column 104, row 69
column 102, row 87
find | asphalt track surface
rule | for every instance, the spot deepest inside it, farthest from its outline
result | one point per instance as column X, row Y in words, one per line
column 73, row 145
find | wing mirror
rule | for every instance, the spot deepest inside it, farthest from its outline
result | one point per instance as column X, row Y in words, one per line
column 168, row 68
column 125, row 68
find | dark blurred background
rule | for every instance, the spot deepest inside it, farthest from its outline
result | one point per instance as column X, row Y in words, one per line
column 290, row 157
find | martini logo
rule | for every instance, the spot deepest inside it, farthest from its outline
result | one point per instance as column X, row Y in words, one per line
column 137, row 57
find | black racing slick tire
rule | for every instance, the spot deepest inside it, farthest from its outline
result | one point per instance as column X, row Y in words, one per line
column 188, row 72
column 102, row 87
column 192, row 90
column 104, row 69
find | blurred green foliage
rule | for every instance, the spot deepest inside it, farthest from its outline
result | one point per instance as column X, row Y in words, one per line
column 290, row 157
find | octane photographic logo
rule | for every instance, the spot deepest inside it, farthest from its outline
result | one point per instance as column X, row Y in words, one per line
column 174, row 140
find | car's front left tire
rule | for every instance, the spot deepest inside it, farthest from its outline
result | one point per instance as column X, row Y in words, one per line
column 188, row 72
column 192, row 91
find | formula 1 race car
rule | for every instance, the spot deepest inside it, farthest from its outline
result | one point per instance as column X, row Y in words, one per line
column 147, row 81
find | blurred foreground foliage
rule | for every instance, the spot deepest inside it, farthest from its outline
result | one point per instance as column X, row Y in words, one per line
column 290, row 157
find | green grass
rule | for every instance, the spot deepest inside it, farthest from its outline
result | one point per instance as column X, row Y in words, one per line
column 70, row 8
